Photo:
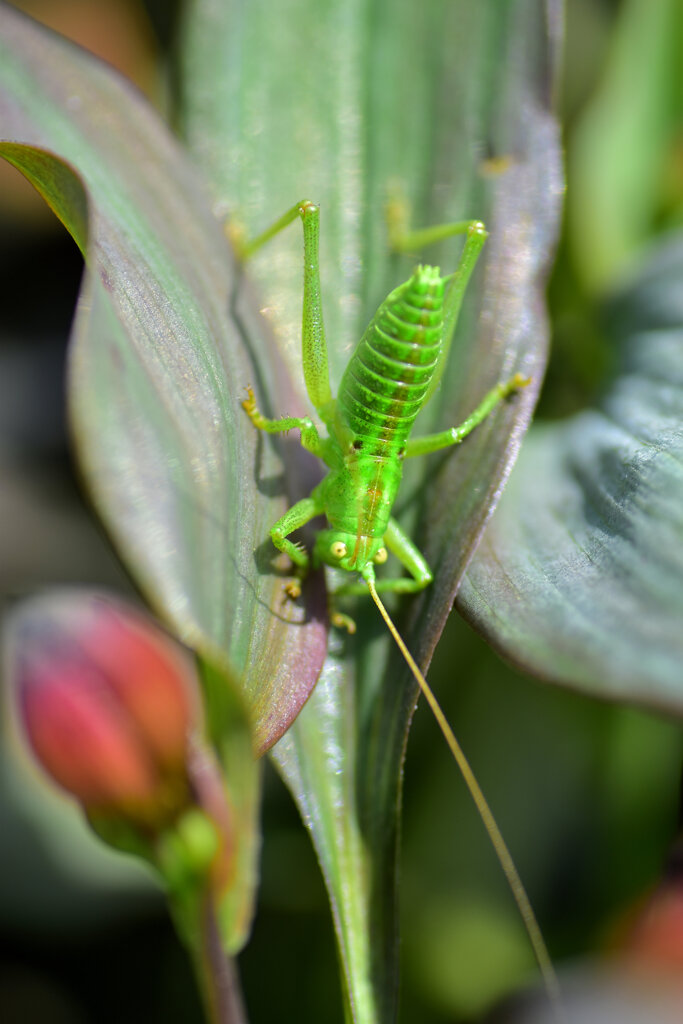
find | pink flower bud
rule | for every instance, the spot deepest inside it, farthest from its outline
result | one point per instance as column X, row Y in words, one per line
column 108, row 702
column 656, row 939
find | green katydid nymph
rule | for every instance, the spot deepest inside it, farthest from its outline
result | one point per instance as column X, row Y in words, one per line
column 392, row 373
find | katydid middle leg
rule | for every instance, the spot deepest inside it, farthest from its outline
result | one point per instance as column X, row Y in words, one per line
column 310, row 439
column 454, row 435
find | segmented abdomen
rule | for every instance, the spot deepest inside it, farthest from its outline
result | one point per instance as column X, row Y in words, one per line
column 385, row 382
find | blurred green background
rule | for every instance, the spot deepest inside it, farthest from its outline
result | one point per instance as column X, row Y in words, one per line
column 587, row 795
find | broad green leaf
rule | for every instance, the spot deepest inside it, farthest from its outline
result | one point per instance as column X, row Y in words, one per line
column 155, row 425
column 336, row 102
column 158, row 366
column 579, row 577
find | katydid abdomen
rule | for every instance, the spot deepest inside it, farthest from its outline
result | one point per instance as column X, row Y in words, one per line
column 381, row 393
column 388, row 376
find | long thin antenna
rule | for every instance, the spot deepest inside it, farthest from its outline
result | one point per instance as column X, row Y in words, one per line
column 506, row 862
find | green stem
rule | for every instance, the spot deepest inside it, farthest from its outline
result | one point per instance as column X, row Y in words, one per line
column 216, row 974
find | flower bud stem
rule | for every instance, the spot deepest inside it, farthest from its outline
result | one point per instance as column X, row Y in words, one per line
column 216, row 974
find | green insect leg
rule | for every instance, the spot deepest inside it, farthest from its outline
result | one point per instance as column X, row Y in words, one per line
column 404, row 239
column 412, row 559
column 446, row 438
column 455, row 293
column 246, row 249
column 476, row 235
column 310, row 439
column 313, row 341
column 293, row 519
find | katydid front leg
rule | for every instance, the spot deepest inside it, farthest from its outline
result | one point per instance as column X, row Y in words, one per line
column 293, row 519
column 411, row 558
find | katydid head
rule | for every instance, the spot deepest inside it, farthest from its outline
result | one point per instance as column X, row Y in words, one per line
column 348, row 551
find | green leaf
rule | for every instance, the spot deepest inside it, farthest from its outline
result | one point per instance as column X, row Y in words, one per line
column 158, row 367
column 154, row 423
column 335, row 102
column 578, row 578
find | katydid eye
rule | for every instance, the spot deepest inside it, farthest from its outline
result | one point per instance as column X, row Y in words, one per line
column 338, row 549
column 381, row 556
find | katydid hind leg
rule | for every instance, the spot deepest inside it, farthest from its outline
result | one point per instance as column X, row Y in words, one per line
column 246, row 248
column 313, row 341
column 455, row 293
column 403, row 239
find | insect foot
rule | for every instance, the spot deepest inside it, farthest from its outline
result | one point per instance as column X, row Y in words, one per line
column 293, row 588
column 249, row 404
column 341, row 621
column 236, row 234
column 517, row 382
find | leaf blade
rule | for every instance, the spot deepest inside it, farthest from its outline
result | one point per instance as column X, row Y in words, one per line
column 168, row 456
column 578, row 577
